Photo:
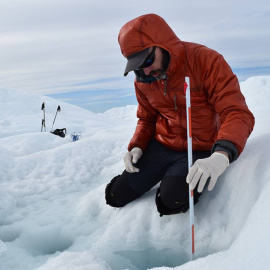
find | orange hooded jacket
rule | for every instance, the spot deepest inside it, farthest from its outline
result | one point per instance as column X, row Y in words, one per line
column 218, row 108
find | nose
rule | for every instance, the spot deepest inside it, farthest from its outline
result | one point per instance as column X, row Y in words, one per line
column 147, row 70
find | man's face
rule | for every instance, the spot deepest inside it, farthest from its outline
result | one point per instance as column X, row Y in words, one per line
column 159, row 66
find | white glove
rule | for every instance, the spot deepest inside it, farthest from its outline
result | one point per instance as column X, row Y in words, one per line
column 131, row 158
column 202, row 169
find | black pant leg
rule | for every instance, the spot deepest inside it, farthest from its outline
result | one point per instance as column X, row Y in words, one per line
column 127, row 187
column 173, row 195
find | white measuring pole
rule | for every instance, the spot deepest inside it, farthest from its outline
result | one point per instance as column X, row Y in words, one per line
column 190, row 162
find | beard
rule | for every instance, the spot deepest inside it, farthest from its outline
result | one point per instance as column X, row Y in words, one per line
column 160, row 73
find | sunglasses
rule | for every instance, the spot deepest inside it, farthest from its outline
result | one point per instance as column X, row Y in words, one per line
column 150, row 59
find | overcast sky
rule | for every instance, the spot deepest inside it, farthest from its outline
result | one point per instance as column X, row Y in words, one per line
column 68, row 48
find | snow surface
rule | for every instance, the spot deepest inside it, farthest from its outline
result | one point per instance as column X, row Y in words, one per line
column 53, row 213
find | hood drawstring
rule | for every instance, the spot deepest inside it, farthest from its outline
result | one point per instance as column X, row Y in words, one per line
column 165, row 89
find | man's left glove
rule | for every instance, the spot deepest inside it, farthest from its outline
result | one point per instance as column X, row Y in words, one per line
column 211, row 167
column 131, row 158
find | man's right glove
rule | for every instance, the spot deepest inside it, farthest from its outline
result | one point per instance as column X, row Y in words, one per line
column 131, row 158
column 211, row 167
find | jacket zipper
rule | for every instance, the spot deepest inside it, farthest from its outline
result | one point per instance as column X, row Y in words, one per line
column 165, row 92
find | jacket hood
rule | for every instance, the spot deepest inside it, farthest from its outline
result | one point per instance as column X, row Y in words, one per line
column 147, row 31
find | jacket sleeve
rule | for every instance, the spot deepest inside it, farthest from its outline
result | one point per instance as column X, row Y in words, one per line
column 224, row 94
column 146, row 125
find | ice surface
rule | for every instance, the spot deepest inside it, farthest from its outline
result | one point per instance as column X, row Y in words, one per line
column 53, row 213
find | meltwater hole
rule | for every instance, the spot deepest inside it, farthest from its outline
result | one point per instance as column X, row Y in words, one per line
column 151, row 257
